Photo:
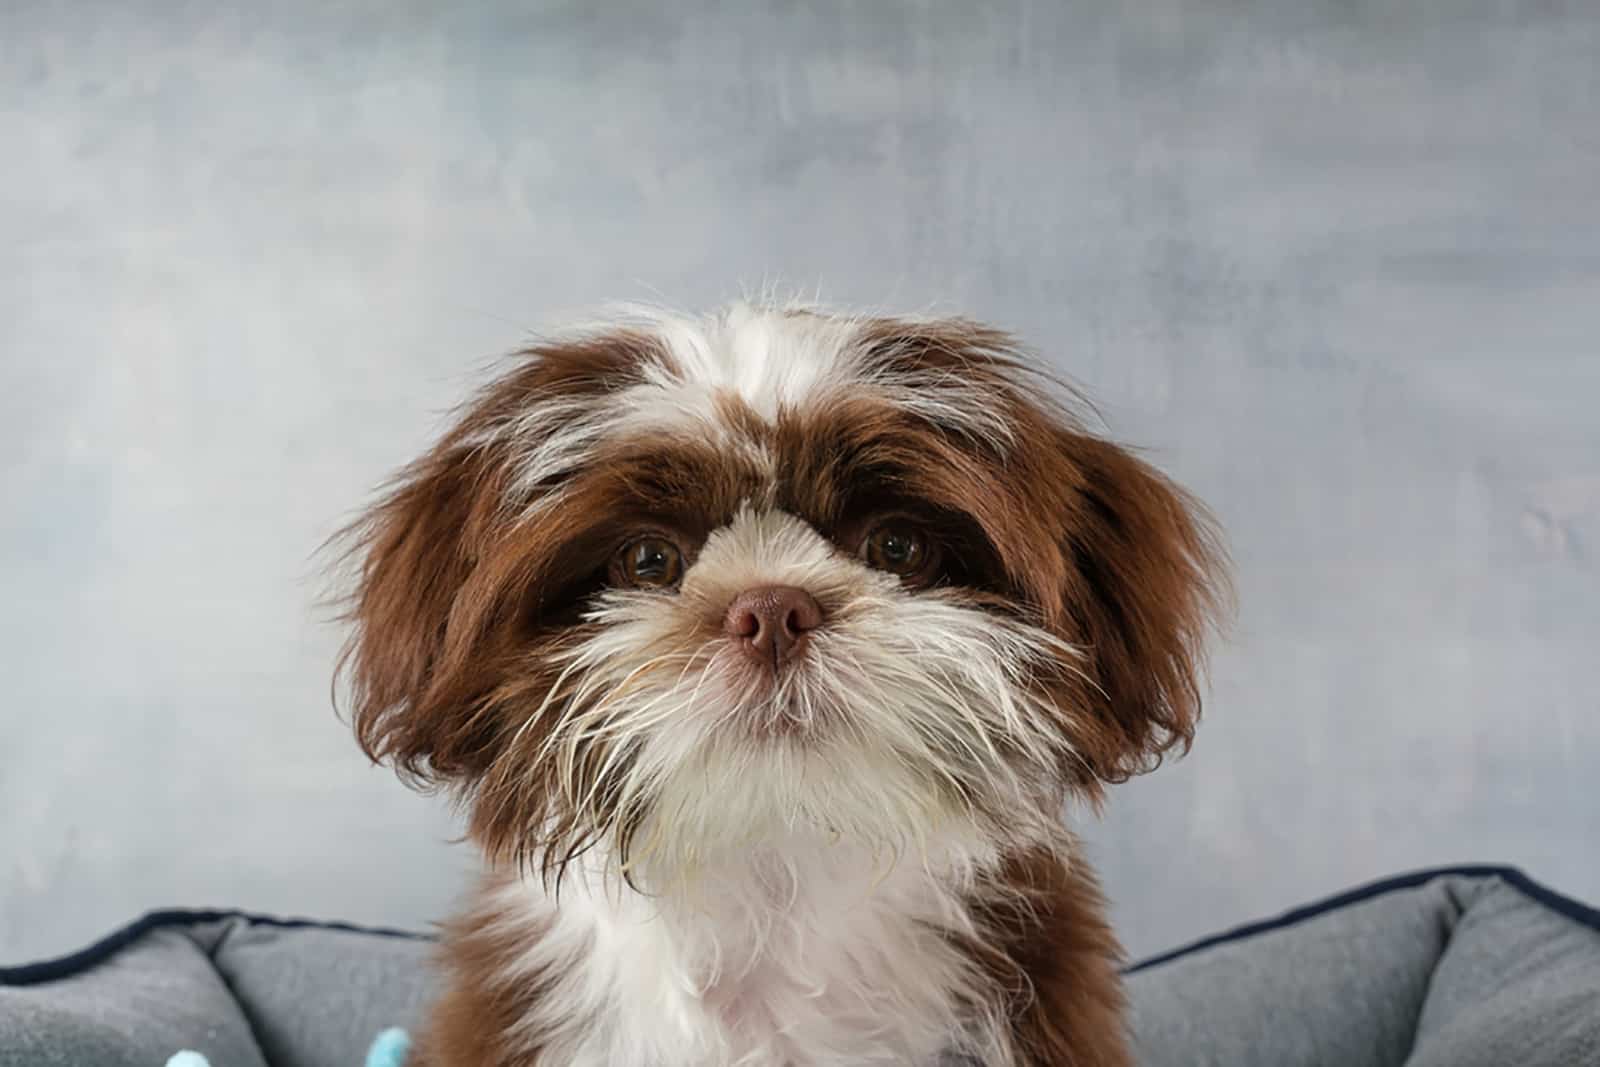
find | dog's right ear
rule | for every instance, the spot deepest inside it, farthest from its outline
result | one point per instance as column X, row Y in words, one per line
column 414, row 618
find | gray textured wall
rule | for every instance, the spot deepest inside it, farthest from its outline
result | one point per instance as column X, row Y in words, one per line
column 1337, row 266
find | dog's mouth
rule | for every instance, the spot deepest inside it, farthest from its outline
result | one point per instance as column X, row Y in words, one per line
column 783, row 703
column 776, row 717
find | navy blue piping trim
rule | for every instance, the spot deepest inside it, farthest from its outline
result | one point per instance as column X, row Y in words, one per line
column 1572, row 909
column 66, row 966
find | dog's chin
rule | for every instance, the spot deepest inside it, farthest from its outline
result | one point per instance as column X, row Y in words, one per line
column 774, row 782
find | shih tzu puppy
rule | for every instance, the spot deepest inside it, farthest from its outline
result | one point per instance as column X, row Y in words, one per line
column 764, row 652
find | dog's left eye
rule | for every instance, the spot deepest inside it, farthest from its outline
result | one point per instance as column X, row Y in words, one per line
column 901, row 549
column 647, row 563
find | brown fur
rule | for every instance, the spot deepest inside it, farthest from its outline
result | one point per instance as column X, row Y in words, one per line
column 459, row 606
column 471, row 1024
column 1053, row 959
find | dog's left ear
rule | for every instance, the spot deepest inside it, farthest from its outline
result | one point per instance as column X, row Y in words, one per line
column 1145, row 585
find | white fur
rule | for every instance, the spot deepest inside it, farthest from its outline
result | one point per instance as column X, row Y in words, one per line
column 807, row 953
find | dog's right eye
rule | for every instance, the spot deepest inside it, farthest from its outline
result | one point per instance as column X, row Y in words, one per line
column 647, row 563
column 904, row 550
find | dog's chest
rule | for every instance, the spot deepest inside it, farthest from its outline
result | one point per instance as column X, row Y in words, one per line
column 778, row 964
column 833, row 971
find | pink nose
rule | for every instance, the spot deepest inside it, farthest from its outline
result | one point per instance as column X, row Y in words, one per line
column 770, row 622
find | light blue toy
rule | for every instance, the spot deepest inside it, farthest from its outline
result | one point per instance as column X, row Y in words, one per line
column 388, row 1049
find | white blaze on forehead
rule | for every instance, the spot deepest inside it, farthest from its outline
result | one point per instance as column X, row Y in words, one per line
column 772, row 359
column 777, row 359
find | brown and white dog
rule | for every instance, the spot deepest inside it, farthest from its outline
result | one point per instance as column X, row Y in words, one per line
column 764, row 652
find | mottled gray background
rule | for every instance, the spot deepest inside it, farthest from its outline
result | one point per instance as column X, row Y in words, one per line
column 1337, row 265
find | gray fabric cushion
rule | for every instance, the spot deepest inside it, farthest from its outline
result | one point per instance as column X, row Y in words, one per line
column 1343, row 988
column 1470, row 968
column 1466, row 970
column 136, row 1008
column 316, row 996
column 1518, row 983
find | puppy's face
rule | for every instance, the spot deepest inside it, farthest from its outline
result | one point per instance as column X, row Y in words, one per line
column 683, row 586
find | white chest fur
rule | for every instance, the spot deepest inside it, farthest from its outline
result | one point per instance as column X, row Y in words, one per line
column 801, row 957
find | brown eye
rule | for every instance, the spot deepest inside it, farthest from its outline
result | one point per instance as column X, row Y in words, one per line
column 647, row 563
column 900, row 549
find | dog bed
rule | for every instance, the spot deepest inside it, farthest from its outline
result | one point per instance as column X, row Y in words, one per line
column 1460, row 967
